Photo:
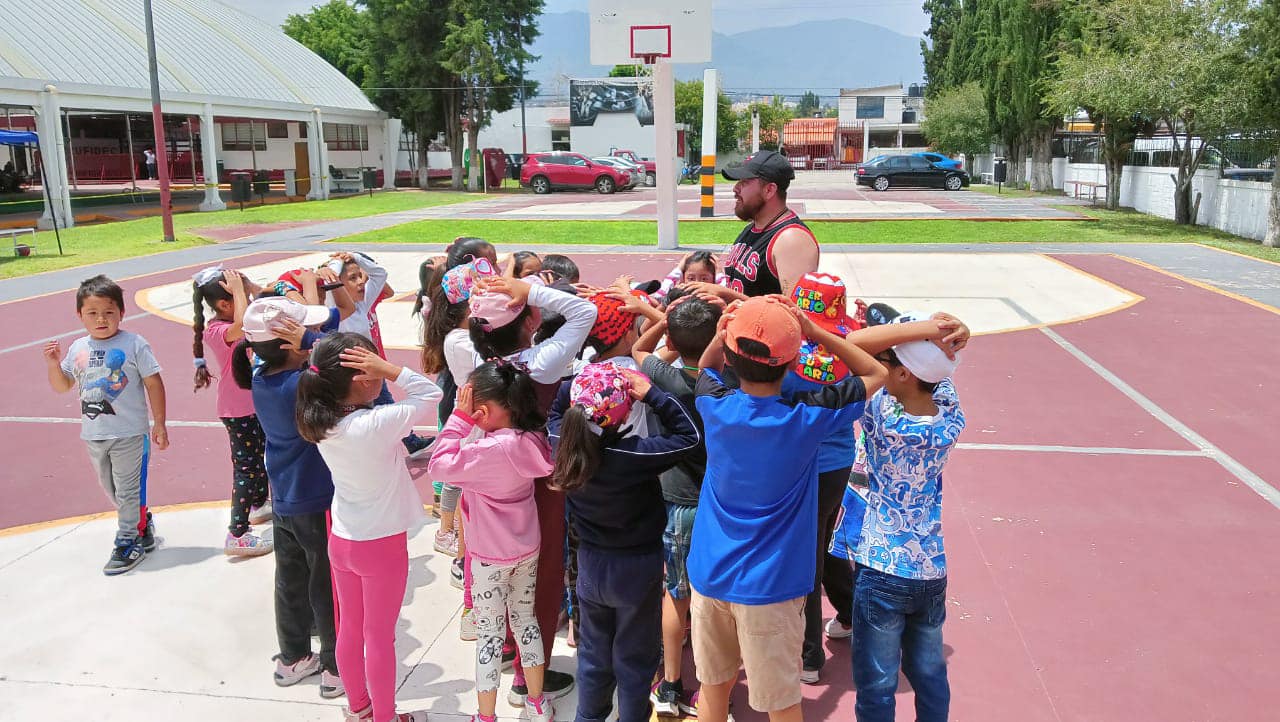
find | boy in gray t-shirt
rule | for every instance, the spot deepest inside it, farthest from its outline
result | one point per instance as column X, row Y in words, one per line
column 117, row 375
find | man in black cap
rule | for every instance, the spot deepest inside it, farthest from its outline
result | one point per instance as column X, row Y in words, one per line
column 777, row 249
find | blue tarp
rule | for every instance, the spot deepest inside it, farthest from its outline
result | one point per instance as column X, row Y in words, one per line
column 17, row 137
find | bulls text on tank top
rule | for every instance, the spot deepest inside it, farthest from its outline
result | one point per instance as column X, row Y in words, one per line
column 749, row 262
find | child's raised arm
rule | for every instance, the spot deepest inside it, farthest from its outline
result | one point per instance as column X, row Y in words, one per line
column 548, row 359
column 377, row 276
column 662, row 450
column 395, row 420
column 341, row 298
column 947, row 331
column 489, row 463
column 860, row 363
column 59, row 380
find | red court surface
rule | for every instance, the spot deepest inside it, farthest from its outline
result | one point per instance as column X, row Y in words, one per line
column 1108, row 561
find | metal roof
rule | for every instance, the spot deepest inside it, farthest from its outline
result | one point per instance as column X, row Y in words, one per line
column 204, row 48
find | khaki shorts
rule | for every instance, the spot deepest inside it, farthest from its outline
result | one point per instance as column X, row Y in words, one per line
column 765, row 639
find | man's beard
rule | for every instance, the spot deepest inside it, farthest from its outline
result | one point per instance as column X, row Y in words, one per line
column 748, row 210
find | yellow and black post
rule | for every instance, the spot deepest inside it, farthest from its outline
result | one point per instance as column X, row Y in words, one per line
column 710, row 92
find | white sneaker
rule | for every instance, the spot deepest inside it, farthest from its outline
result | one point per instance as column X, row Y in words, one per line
column 331, row 686
column 544, row 712
column 247, row 544
column 260, row 514
column 291, row 674
column 467, row 627
column 836, row 630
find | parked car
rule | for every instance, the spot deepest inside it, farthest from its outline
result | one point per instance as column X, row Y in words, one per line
column 545, row 172
column 941, row 160
column 910, row 170
column 635, row 175
column 650, row 166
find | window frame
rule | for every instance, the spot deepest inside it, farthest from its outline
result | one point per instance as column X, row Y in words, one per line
column 867, row 105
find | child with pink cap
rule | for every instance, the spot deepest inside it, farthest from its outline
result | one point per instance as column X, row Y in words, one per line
column 616, row 508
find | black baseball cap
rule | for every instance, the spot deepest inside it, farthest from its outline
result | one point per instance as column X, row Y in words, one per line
column 766, row 165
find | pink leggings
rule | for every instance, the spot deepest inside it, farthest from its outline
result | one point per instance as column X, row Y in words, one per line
column 370, row 577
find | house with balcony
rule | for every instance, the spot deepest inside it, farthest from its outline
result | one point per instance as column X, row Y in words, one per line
column 889, row 117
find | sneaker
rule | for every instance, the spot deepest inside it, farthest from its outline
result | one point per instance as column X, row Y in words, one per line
column 127, row 555
column 148, row 537
column 331, row 687
column 554, row 686
column 809, row 676
column 260, row 514
column 540, row 710
column 291, row 674
column 689, row 706
column 364, row 715
column 666, row 698
column 417, row 446
column 837, row 630
column 467, row 627
column 447, row 542
column 247, row 544
column 455, row 573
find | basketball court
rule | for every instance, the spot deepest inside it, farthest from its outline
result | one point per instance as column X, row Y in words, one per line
column 1107, row 513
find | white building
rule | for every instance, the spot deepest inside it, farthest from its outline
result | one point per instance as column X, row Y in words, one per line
column 76, row 72
column 889, row 114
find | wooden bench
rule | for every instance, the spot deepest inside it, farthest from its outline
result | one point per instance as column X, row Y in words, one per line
column 1091, row 186
column 13, row 236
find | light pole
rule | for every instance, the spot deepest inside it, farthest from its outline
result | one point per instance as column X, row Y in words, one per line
column 157, row 121
column 524, row 135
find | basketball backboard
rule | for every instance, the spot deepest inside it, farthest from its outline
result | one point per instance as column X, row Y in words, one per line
column 624, row 32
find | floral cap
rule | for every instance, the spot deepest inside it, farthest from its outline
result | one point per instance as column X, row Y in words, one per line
column 603, row 392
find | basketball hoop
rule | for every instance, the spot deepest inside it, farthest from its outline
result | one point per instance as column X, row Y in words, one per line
column 650, row 42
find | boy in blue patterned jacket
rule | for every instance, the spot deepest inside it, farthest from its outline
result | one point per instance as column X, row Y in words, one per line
column 899, row 601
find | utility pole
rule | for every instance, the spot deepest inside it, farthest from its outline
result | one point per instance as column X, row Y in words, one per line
column 524, row 134
column 157, row 121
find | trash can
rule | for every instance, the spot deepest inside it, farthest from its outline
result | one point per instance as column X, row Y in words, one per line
column 495, row 166
column 290, row 182
column 261, row 182
column 369, row 178
column 1001, row 170
column 222, row 171
column 241, row 189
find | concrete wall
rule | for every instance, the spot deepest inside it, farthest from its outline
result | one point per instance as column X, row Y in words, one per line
column 614, row 130
column 279, row 153
column 504, row 130
column 894, row 102
column 1238, row 207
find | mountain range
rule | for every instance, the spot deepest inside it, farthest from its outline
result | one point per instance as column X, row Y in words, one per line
column 822, row 56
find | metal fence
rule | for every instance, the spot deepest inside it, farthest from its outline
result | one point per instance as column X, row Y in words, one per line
column 1243, row 156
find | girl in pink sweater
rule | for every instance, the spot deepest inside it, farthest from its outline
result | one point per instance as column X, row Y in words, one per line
column 493, row 448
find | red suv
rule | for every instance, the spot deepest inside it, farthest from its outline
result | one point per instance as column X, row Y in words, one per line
column 545, row 172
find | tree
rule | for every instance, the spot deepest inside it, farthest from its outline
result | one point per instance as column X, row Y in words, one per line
column 1193, row 78
column 337, row 32
column 689, row 112
column 1094, row 75
column 944, row 16
column 773, row 116
column 627, row 71
column 956, row 121
column 1262, row 58
column 808, row 105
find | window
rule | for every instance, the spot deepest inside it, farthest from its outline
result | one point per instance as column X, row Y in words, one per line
column 302, row 129
column 559, row 139
column 346, row 136
column 919, row 164
column 575, row 160
column 870, row 106
column 243, row 136
column 277, row 130
column 899, row 163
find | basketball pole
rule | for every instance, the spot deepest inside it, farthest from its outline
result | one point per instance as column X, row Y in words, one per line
column 710, row 94
column 157, row 123
column 664, row 120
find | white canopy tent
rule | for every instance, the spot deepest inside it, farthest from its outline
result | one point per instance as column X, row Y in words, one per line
column 213, row 61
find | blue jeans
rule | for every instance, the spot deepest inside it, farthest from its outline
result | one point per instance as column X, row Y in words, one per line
column 897, row 622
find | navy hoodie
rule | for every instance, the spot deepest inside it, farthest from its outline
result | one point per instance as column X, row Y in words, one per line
column 621, row 509
column 300, row 480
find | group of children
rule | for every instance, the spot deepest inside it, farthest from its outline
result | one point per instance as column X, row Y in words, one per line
column 683, row 463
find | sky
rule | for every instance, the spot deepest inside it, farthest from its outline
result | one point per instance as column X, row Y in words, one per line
column 729, row 16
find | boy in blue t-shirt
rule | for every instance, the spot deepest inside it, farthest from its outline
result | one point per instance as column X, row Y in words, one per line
column 752, row 561
column 901, row 580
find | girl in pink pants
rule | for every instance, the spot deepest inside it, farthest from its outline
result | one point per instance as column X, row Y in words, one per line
column 375, row 507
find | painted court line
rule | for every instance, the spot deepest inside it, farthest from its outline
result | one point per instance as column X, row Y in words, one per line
column 76, row 332
column 1208, row 448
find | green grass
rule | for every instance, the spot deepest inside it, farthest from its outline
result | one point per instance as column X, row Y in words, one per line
column 98, row 243
column 1010, row 191
column 1107, row 227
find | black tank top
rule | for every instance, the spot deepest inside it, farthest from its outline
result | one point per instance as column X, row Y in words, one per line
column 748, row 262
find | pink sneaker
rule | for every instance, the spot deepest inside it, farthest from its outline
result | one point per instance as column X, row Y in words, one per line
column 446, row 542
column 247, row 544
column 364, row 715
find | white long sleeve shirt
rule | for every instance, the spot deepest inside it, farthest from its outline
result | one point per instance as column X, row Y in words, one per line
column 373, row 496
column 552, row 359
column 361, row 320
